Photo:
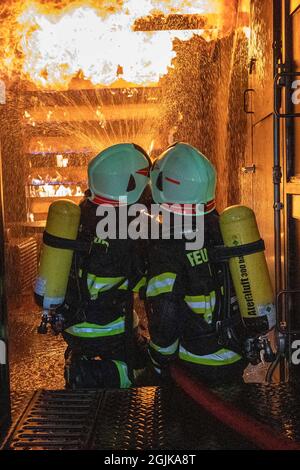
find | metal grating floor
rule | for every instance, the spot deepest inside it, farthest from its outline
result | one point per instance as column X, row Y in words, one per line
column 55, row 420
column 147, row 418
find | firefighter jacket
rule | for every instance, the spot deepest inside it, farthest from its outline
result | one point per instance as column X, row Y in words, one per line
column 102, row 282
column 185, row 300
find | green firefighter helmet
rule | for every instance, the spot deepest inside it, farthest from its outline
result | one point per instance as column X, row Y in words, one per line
column 183, row 175
column 119, row 172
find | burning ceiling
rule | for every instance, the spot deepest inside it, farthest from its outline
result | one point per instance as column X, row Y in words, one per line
column 50, row 42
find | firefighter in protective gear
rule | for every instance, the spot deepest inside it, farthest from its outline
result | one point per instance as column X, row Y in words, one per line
column 100, row 326
column 185, row 291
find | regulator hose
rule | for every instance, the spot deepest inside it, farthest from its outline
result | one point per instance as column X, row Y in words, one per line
column 258, row 433
column 272, row 368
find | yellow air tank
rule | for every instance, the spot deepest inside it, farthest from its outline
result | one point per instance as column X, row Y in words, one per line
column 55, row 263
column 249, row 273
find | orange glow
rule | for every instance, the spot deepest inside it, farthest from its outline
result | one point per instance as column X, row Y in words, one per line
column 96, row 40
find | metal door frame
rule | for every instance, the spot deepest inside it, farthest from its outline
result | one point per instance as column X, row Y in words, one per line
column 5, row 409
column 283, row 120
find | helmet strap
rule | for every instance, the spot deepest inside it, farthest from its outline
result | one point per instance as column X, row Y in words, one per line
column 104, row 201
column 189, row 209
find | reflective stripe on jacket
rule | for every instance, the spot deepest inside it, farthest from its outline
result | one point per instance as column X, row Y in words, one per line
column 161, row 284
column 223, row 357
column 90, row 330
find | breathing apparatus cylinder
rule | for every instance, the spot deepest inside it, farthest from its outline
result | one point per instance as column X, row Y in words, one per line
column 55, row 263
column 249, row 273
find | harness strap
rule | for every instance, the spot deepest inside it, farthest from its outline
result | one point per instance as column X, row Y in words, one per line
column 221, row 254
column 65, row 244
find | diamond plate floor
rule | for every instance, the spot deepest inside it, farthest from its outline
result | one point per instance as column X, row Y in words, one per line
column 146, row 418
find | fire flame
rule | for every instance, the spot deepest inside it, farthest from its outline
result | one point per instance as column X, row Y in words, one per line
column 51, row 45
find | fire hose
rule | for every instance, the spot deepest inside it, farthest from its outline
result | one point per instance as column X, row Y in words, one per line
column 254, row 431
